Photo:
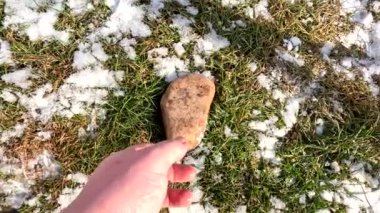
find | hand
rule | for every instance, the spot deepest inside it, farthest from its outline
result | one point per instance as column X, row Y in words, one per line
column 136, row 180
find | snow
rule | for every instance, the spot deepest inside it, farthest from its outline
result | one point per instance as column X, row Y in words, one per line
column 376, row 6
column 192, row 10
column 179, row 49
column 127, row 45
column 20, row 78
column 335, row 166
column 319, row 126
column 44, row 136
column 25, row 17
column 68, row 195
column 357, row 193
column 78, row 178
column 212, row 42
column 16, row 192
column 229, row 134
column 363, row 18
column 5, row 52
column 286, row 56
column 8, row 96
column 252, row 66
column 264, row 81
column 92, row 78
column 199, row 61
column 302, row 199
column 291, row 111
column 126, row 18
column 218, row 158
column 18, row 189
column 79, row 7
column 365, row 35
column 232, row 3
column 259, row 10
column 241, row 209
column 89, row 55
column 16, row 132
column 267, row 146
column 323, row 211
column 170, row 67
column 277, row 204
column 45, row 162
column 183, row 26
column 294, row 43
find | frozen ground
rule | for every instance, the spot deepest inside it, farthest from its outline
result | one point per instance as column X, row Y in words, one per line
column 294, row 126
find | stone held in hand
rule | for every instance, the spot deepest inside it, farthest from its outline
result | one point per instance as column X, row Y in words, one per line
column 185, row 107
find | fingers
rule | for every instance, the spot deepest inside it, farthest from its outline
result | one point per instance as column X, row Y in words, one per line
column 168, row 152
column 177, row 198
column 181, row 173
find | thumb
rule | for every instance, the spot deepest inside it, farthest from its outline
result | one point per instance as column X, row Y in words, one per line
column 168, row 152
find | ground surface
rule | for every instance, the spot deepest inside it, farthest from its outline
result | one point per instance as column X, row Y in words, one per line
column 294, row 126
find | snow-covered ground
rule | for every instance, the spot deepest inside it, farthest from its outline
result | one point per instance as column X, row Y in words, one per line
column 85, row 91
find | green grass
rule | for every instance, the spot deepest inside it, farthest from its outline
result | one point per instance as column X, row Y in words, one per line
column 244, row 179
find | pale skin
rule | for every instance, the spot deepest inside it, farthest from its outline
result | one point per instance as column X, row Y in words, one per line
column 136, row 180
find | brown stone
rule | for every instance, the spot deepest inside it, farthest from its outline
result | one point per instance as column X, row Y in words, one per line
column 185, row 107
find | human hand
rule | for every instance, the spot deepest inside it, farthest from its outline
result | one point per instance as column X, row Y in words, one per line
column 136, row 180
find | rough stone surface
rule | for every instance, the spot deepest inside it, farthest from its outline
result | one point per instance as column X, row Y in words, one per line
column 185, row 107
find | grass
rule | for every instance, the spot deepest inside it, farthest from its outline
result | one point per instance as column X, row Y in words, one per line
column 241, row 178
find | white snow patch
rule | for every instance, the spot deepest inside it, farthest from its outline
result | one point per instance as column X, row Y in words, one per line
column 376, row 6
column 89, row 55
column 232, row 3
column 45, row 162
column 259, row 10
column 264, row 81
column 302, row 199
column 335, row 166
column 24, row 16
column 286, row 56
column 78, row 177
column 20, row 78
column 192, row 10
column 5, row 52
column 291, row 111
column 199, row 61
column 8, row 96
column 16, row 192
column 277, row 204
column 93, row 78
column 252, row 66
column 16, row 132
column 211, row 42
column 358, row 193
column 44, row 135
column 320, row 126
column 179, row 49
column 267, row 146
column 79, row 7
column 326, row 50
column 68, row 195
column 127, row 45
column 241, row 209
column 323, row 211
column 218, row 158
column 229, row 134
